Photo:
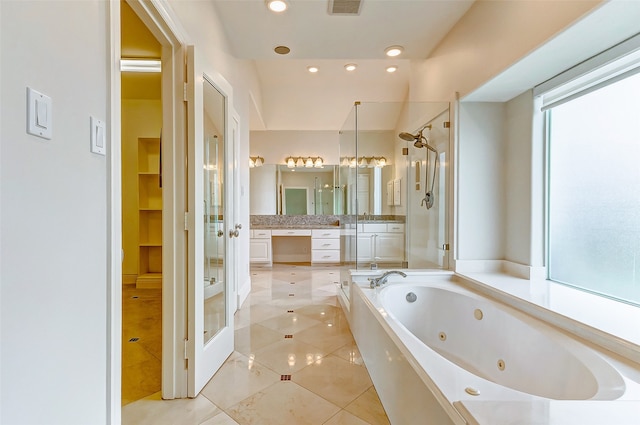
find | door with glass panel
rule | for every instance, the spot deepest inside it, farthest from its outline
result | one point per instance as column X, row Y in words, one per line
column 211, row 282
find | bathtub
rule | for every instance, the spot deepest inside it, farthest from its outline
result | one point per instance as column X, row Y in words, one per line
column 451, row 346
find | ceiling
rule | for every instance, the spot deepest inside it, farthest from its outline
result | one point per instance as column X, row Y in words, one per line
column 293, row 99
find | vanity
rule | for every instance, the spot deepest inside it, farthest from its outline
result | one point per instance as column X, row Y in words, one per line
column 295, row 245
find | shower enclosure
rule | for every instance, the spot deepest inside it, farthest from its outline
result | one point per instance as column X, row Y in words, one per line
column 394, row 179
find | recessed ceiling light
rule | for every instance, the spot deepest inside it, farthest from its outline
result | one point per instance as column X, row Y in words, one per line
column 392, row 68
column 312, row 69
column 393, row 51
column 282, row 50
column 350, row 67
column 277, row 5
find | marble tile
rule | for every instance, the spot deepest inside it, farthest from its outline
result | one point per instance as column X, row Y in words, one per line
column 220, row 419
column 288, row 356
column 369, row 408
column 283, row 403
column 140, row 380
column 350, row 353
column 254, row 337
column 321, row 312
column 289, row 323
column 153, row 410
column 334, row 379
column 250, row 314
column 345, row 418
column 238, row 378
column 328, row 336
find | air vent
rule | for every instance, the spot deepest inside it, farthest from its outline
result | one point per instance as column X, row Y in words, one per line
column 344, row 7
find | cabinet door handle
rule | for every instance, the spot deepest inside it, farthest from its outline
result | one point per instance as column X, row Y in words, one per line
column 238, row 226
column 234, row 233
column 220, row 233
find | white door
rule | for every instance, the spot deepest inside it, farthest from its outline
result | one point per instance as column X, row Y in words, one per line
column 211, row 286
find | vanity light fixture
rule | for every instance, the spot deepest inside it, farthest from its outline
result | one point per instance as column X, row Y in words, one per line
column 304, row 161
column 255, row 161
column 313, row 69
column 140, row 65
column 350, row 67
column 393, row 51
column 365, row 161
column 392, row 68
column 277, row 5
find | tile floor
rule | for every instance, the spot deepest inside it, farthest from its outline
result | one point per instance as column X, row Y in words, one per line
column 141, row 357
column 291, row 325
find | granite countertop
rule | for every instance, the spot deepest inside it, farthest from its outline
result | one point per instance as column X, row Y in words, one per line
column 295, row 226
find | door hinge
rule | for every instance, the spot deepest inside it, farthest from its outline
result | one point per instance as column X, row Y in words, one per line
column 445, row 247
column 184, row 94
column 186, row 220
column 186, row 349
column 446, row 124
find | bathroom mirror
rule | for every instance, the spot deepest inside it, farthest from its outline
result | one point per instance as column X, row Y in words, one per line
column 273, row 188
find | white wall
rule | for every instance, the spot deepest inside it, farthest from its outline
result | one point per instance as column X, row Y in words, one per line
column 263, row 190
column 53, row 216
column 481, row 182
column 518, row 136
column 275, row 146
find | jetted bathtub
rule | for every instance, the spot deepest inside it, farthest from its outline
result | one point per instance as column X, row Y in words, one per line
column 466, row 347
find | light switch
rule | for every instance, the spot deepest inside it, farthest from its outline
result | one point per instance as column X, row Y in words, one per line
column 39, row 114
column 98, row 137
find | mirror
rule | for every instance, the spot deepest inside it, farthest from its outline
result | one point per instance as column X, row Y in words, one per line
column 278, row 189
column 213, row 187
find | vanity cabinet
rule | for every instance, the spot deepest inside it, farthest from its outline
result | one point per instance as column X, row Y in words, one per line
column 260, row 246
column 325, row 246
column 380, row 242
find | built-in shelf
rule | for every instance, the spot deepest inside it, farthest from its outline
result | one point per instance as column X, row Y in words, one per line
column 149, row 214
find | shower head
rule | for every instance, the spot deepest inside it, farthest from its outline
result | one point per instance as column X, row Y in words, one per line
column 409, row 137
column 416, row 138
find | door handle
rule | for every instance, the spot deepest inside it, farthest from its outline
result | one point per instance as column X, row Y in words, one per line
column 238, row 226
column 234, row 233
column 220, row 233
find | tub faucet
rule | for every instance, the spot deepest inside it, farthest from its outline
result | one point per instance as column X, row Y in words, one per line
column 381, row 280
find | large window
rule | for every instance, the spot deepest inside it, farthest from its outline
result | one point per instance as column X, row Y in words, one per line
column 594, row 191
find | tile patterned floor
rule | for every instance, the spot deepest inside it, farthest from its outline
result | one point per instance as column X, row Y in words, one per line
column 329, row 383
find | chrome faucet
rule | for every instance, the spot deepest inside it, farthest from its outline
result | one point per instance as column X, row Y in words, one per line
column 381, row 280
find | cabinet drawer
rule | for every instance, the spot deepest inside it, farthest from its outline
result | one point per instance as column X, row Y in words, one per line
column 374, row 227
column 395, row 227
column 325, row 233
column 291, row 232
column 325, row 243
column 329, row 256
column 261, row 234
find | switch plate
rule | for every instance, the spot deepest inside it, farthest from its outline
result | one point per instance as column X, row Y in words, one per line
column 98, row 136
column 39, row 114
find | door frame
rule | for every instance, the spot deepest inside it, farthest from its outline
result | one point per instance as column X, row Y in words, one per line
column 164, row 25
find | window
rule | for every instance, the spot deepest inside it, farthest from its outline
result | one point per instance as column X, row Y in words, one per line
column 594, row 190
